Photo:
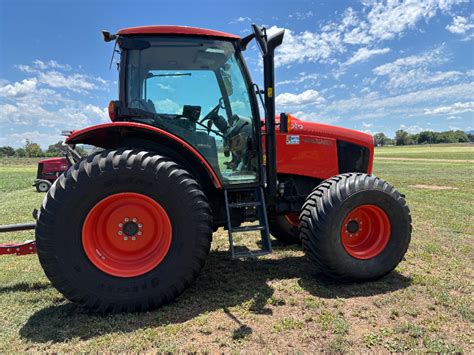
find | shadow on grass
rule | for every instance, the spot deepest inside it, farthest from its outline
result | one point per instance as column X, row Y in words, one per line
column 25, row 287
column 222, row 284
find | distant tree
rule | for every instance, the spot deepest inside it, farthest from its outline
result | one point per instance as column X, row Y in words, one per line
column 33, row 149
column 470, row 137
column 426, row 137
column 401, row 137
column 20, row 152
column 81, row 151
column 7, row 151
column 380, row 139
column 55, row 150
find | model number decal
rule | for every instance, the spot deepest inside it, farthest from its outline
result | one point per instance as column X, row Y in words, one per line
column 292, row 139
column 317, row 141
column 295, row 125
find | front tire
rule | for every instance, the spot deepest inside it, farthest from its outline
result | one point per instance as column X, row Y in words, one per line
column 43, row 186
column 123, row 231
column 355, row 227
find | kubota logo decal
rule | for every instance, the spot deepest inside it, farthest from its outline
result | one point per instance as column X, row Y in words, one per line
column 292, row 139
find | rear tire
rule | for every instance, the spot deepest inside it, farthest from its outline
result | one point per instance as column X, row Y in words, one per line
column 121, row 282
column 335, row 238
column 285, row 228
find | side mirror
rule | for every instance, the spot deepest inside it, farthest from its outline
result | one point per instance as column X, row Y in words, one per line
column 261, row 39
column 284, row 122
column 107, row 36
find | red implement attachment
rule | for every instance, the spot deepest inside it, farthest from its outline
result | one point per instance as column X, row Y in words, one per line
column 25, row 248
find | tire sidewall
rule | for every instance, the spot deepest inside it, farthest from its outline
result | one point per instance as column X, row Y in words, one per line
column 86, row 193
column 393, row 251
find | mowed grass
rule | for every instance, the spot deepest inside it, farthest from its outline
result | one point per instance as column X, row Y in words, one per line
column 427, row 151
column 276, row 303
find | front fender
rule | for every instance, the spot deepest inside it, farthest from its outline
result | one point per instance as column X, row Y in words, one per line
column 112, row 135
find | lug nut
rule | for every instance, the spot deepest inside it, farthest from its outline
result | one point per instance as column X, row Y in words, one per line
column 140, row 225
column 119, row 232
column 134, row 219
column 133, row 238
column 139, row 233
column 120, row 225
column 125, row 238
column 126, row 220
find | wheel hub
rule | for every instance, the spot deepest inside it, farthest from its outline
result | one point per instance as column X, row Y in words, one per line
column 353, row 226
column 365, row 231
column 124, row 245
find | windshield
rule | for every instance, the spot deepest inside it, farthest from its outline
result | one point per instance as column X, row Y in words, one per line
column 195, row 88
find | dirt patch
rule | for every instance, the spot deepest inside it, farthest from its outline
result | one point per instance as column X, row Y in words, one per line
column 433, row 187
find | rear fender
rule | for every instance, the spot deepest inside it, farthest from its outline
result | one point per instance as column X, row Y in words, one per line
column 140, row 136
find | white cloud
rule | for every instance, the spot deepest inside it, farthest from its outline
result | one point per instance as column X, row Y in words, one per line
column 413, row 129
column 307, row 46
column 39, row 65
column 305, row 98
column 415, row 70
column 391, row 18
column 378, row 21
column 363, row 54
column 74, row 82
column 455, row 108
column 301, row 77
column 461, row 25
column 431, row 57
column 358, row 35
column 301, row 15
column 19, row 139
column 367, row 125
column 167, row 106
column 19, row 89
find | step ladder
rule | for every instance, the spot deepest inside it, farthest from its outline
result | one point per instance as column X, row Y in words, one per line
column 258, row 202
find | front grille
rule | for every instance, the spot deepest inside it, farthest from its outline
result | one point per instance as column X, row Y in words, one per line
column 352, row 157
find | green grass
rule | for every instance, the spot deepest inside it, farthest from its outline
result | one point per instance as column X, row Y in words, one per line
column 276, row 303
column 434, row 151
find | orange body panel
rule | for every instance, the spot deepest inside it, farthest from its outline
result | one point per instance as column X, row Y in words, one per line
column 310, row 148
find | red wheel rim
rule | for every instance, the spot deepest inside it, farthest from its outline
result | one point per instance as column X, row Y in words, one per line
column 126, row 234
column 293, row 219
column 365, row 232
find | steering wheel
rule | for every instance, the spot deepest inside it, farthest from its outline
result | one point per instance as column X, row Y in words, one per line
column 213, row 113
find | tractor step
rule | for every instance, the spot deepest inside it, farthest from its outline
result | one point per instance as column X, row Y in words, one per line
column 249, row 228
column 245, row 204
column 257, row 201
column 25, row 248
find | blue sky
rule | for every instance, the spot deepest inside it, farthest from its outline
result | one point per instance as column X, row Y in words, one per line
column 368, row 65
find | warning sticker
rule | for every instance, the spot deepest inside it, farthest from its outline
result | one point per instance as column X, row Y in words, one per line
column 292, row 139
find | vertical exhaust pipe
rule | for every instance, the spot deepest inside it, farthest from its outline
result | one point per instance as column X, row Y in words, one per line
column 267, row 46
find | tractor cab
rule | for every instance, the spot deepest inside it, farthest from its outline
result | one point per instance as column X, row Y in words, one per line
column 196, row 87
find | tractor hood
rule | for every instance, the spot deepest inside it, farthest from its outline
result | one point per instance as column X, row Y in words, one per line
column 297, row 126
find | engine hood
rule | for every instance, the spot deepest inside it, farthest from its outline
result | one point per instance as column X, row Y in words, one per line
column 324, row 130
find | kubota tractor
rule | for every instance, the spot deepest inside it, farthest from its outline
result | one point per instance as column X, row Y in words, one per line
column 129, row 228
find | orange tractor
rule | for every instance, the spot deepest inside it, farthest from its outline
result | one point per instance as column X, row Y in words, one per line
column 128, row 228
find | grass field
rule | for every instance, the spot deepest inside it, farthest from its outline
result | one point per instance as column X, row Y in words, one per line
column 276, row 303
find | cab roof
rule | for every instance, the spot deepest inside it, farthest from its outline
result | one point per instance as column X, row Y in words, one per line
column 174, row 30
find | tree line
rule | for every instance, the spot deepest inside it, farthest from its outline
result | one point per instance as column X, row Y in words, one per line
column 33, row 150
column 426, row 137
